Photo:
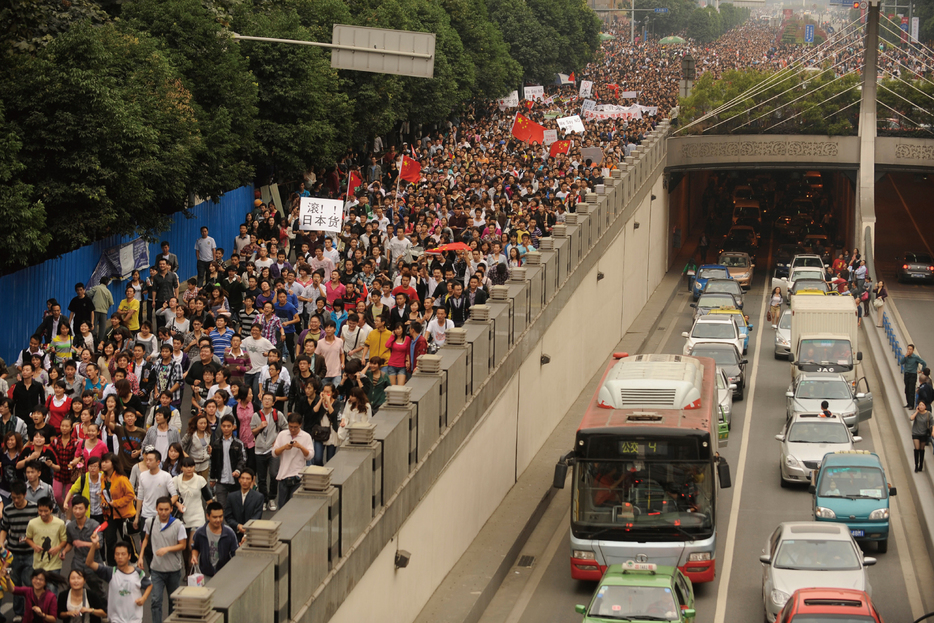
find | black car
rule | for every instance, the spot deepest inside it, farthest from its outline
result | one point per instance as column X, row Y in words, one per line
column 729, row 360
column 783, row 257
column 915, row 267
column 728, row 286
column 739, row 242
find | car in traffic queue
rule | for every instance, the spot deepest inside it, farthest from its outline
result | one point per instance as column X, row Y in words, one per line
column 713, row 300
column 851, row 489
column 641, row 592
column 809, row 260
column 742, row 193
column 915, row 267
column 730, row 286
column 739, row 318
column 711, row 328
column 783, row 258
column 725, row 391
column 728, row 361
column 783, row 335
column 817, row 605
column 809, row 389
column 811, row 287
column 740, row 266
column 804, row 554
column 819, row 242
column 705, row 272
column 812, row 274
column 805, row 439
column 747, row 210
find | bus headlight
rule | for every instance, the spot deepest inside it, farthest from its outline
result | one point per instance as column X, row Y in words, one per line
column 582, row 555
column 879, row 513
column 824, row 513
column 698, row 556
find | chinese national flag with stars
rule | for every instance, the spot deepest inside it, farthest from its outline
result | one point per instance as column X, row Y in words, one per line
column 560, row 147
column 527, row 130
column 411, row 170
column 354, row 182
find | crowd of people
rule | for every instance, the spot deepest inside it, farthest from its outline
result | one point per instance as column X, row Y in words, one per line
column 144, row 433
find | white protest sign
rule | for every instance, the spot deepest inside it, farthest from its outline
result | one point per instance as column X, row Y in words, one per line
column 588, row 105
column 649, row 110
column 534, row 93
column 571, row 124
column 594, row 154
column 586, row 88
column 321, row 214
column 628, row 95
column 551, row 136
column 510, row 101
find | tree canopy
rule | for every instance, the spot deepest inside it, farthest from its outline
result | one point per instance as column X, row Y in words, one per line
column 113, row 114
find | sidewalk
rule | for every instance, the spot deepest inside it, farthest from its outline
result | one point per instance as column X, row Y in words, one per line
column 470, row 587
column 883, row 358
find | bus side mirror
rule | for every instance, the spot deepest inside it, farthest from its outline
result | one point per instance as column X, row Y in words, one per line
column 893, row 491
column 580, row 609
column 812, row 489
column 723, row 473
column 859, row 356
column 791, row 357
column 561, row 474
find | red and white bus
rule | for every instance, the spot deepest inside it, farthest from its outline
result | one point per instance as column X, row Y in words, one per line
column 646, row 468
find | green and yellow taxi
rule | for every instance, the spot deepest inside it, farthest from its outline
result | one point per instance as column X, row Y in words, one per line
column 640, row 592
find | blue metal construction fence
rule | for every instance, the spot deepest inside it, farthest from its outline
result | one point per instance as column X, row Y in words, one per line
column 29, row 289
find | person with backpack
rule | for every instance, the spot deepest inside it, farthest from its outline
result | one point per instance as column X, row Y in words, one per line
column 266, row 424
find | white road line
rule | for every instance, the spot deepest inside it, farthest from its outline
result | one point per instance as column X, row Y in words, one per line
column 727, row 568
column 528, row 591
column 913, row 221
column 901, row 536
column 672, row 322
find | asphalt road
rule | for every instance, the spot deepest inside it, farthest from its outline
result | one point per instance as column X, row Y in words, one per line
column 748, row 512
column 905, row 223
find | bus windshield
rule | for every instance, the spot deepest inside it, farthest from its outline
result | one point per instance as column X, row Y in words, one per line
column 669, row 500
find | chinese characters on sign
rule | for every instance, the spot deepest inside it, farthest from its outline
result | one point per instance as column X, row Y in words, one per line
column 320, row 214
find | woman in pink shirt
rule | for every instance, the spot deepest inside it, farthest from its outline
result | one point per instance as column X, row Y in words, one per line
column 334, row 289
column 398, row 346
column 332, row 349
column 244, row 412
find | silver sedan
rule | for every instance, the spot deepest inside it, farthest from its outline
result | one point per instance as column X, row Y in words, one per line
column 783, row 335
column 803, row 554
column 806, row 438
column 810, row 389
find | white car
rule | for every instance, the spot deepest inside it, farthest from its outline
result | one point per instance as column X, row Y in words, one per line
column 796, row 273
column 806, row 438
column 804, row 554
column 713, row 329
column 725, row 391
column 783, row 335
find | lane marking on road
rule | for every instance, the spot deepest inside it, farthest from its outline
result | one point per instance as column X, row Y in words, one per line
column 728, row 552
column 672, row 322
column 531, row 586
column 901, row 536
column 913, row 221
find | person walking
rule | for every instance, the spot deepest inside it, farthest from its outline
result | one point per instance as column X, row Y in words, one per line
column 702, row 246
column 921, row 423
column 214, row 543
column 775, row 305
column 910, row 364
column 128, row 587
column 294, row 449
column 204, row 254
column 167, row 537
column 881, row 294
column 13, row 524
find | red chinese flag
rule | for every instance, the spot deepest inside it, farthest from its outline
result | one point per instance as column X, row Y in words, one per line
column 560, row 147
column 536, row 133
column 521, row 128
column 571, row 77
column 411, row 170
column 354, row 182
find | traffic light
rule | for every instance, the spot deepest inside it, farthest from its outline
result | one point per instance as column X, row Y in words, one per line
column 856, row 5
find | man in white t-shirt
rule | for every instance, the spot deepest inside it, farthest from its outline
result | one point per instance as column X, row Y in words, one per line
column 152, row 485
column 437, row 328
column 257, row 347
column 398, row 246
column 354, row 334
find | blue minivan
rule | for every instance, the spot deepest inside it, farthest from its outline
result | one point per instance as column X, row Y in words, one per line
column 851, row 488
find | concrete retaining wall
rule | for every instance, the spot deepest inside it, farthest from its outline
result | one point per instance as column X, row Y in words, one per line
column 476, row 426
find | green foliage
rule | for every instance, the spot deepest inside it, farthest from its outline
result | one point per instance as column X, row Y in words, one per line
column 705, row 25
column 906, row 107
column 108, row 136
column 28, row 25
column 303, row 117
column 24, row 232
column 497, row 72
column 194, row 36
column 807, row 102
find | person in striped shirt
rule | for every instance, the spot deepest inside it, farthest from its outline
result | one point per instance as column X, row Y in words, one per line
column 220, row 336
column 13, row 523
